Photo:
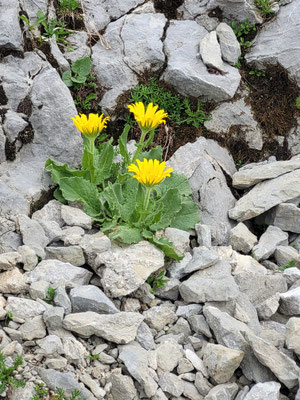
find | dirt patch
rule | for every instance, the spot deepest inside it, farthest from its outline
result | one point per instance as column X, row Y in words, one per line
column 25, row 107
column 216, row 13
column 45, row 197
column 10, row 150
column 27, row 135
column 168, row 7
column 273, row 100
column 3, row 98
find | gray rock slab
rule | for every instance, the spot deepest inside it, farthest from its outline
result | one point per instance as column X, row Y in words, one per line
column 136, row 361
column 33, row 235
column 160, row 316
column 286, row 216
column 202, row 163
column 55, row 271
column 250, row 176
column 168, row 355
column 210, row 51
column 71, row 254
column 179, row 238
column 242, row 239
column 10, row 260
column 13, row 125
column 290, row 302
column 211, row 284
column 285, row 255
column 122, row 387
column 264, row 391
column 144, row 337
column 24, row 308
column 128, row 268
column 236, row 114
column 202, row 258
column 33, row 328
column 268, row 242
column 10, row 33
column 285, row 369
column 225, row 391
column 277, row 44
column 293, row 335
column 12, row 282
column 50, row 212
column 291, row 275
column 171, row 384
column 91, row 298
column 118, row 328
column 75, row 217
column 230, row 47
column 187, row 72
column 32, row 8
column 78, row 42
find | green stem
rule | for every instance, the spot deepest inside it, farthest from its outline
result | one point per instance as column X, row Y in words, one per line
column 140, row 144
column 92, row 164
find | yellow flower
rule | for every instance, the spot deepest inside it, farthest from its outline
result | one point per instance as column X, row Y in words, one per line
column 91, row 125
column 149, row 172
column 149, row 118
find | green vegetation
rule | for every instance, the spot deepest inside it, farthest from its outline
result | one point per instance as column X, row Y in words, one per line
column 43, row 393
column 257, row 73
column 157, row 281
column 6, row 374
column 265, row 7
column 298, row 103
column 51, row 294
column 289, row 265
column 93, row 357
column 179, row 111
column 66, row 6
column 242, row 30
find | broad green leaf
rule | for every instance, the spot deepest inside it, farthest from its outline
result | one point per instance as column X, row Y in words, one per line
column 175, row 181
column 104, row 162
column 67, row 78
column 78, row 79
column 82, row 190
column 59, row 171
column 123, row 144
column 82, row 67
column 58, row 195
column 154, row 153
column 187, row 217
column 163, row 244
column 126, row 234
column 170, row 205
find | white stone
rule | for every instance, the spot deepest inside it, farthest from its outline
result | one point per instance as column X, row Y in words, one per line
column 210, row 51
column 230, row 47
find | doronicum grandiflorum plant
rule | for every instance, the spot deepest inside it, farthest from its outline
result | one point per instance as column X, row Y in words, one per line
column 134, row 199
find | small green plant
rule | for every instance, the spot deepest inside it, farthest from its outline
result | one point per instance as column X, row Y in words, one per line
column 53, row 27
column 241, row 30
column 157, row 281
column 298, row 103
column 79, row 73
column 93, row 357
column 6, row 374
column 257, row 73
column 265, row 7
column 239, row 163
column 294, row 245
column 50, row 297
column 85, row 103
column 68, row 5
column 43, row 393
column 195, row 118
column 289, row 265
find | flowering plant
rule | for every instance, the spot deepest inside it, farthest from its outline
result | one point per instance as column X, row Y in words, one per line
column 134, row 199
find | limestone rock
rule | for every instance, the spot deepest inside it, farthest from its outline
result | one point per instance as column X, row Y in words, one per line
column 171, row 384
column 286, row 216
column 263, row 391
column 290, row 302
column 118, row 328
column 75, row 217
column 91, row 298
column 71, row 254
column 33, row 234
column 241, row 239
column 24, row 308
column 33, row 328
column 226, row 391
column 202, row 258
column 285, row 255
column 160, row 316
column 10, row 33
column 168, row 355
column 10, row 260
column 12, row 282
column 268, row 242
column 210, row 51
column 122, row 387
column 230, row 47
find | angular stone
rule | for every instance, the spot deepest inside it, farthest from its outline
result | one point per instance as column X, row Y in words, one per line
column 75, row 217
column 247, row 264
column 24, row 308
column 50, row 212
column 225, row 391
column 13, row 125
column 285, row 255
column 293, row 335
column 128, row 268
column 160, row 316
column 191, row 392
column 61, row 299
column 264, row 391
column 266, row 309
column 202, row 258
column 144, row 337
column 33, row 234
column 78, row 42
column 285, row 369
column 203, row 235
column 29, row 258
column 268, row 242
column 171, row 384
column 136, row 361
column 10, row 33
column 291, row 275
column 220, row 361
column 258, row 200
column 179, row 238
column 168, row 355
column 91, row 298
column 275, row 44
column 92, row 245
column 71, row 254
column 10, row 260
column 74, row 351
column 211, row 284
column 55, row 271
column 33, row 328
column 183, row 56
column 210, row 51
column 118, row 328
column 177, row 268
column 53, row 318
column 230, row 47
column 170, row 291
column 199, row 325
column 122, row 387
column 290, row 302
column 187, row 311
column 241, row 239
column 286, row 216
column 202, row 384
column 196, row 361
column 12, row 282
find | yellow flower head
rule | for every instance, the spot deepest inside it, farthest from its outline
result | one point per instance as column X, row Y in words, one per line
column 91, row 125
column 149, row 118
column 149, row 172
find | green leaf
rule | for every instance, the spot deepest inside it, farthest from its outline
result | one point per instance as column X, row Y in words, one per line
column 187, row 217
column 82, row 67
column 82, row 190
column 78, row 79
column 154, row 153
column 58, row 195
column 67, row 78
column 170, row 205
column 104, row 160
column 59, row 171
column 126, row 234
column 123, row 144
column 175, row 181
column 163, row 244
